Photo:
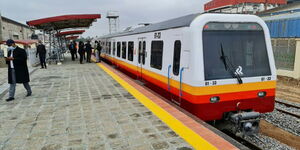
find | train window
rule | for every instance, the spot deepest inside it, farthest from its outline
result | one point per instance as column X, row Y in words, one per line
column 111, row 44
column 118, row 49
column 109, row 49
column 114, row 48
column 124, row 50
column 176, row 58
column 239, row 50
column 144, row 52
column 130, row 50
column 140, row 47
column 156, row 54
column 219, row 26
column 106, row 47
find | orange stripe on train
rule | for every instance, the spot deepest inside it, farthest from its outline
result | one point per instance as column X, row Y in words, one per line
column 191, row 90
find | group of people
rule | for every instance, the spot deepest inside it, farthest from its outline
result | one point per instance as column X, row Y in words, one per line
column 17, row 62
column 84, row 50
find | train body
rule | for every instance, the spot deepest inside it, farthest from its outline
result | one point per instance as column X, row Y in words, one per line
column 211, row 64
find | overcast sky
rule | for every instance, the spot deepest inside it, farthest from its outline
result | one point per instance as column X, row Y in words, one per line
column 131, row 12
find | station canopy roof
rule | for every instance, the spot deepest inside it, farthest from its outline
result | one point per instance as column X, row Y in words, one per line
column 72, row 37
column 70, row 32
column 22, row 42
column 64, row 22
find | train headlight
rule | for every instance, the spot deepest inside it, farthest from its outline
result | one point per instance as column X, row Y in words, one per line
column 262, row 94
column 215, row 99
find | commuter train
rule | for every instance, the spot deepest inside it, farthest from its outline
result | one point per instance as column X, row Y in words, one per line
column 215, row 66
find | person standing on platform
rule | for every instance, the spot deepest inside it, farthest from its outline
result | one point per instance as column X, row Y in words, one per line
column 96, row 52
column 84, row 56
column 72, row 50
column 88, row 49
column 99, row 49
column 17, row 69
column 41, row 51
column 81, row 51
column 76, row 49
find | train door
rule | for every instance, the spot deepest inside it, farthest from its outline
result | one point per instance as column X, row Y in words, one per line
column 141, row 56
column 174, row 71
column 113, row 53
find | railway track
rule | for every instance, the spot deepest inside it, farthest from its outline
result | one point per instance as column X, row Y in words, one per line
column 288, row 106
column 287, row 112
column 278, row 133
column 243, row 141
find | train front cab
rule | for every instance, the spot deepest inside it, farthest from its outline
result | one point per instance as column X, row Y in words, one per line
column 237, row 72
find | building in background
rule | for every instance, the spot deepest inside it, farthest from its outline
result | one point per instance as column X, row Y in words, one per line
column 284, row 23
column 292, row 1
column 242, row 6
column 11, row 29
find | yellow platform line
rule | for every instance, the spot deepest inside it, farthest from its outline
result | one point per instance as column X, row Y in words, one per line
column 183, row 131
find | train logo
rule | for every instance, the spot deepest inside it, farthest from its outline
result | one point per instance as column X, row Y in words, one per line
column 239, row 71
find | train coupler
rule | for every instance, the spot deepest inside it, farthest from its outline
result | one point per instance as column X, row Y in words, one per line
column 246, row 123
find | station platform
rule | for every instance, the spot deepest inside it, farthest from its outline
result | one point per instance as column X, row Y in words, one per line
column 93, row 106
column 77, row 106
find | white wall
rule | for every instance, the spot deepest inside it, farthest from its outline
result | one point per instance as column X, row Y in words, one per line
column 296, row 72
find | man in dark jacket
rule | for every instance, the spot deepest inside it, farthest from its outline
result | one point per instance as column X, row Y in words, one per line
column 41, row 51
column 17, row 69
column 72, row 48
column 88, row 49
column 99, row 49
column 81, row 51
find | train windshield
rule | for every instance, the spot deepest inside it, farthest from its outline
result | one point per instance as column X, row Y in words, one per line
column 234, row 50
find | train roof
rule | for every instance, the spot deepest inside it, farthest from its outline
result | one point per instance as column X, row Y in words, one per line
column 183, row 21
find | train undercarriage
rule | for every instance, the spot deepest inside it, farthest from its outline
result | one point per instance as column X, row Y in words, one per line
column 244, row 123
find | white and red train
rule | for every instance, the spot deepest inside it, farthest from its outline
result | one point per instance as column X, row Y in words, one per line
column 216, row 66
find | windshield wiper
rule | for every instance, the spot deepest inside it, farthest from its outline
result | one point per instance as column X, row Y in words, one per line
column 229, row 67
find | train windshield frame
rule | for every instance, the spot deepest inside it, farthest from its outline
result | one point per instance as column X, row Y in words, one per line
column 242, row 44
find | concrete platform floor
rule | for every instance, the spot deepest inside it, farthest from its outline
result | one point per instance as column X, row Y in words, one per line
column 77, row 106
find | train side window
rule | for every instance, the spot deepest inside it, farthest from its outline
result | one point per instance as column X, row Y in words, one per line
column 119, row 49
column 139, row 51
column 114, row 48
column 106, row 47
column 109, row 49
column 144, row 52
column 176, row 58
column 130, row 51
column 124, row 50
column 156, row 54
